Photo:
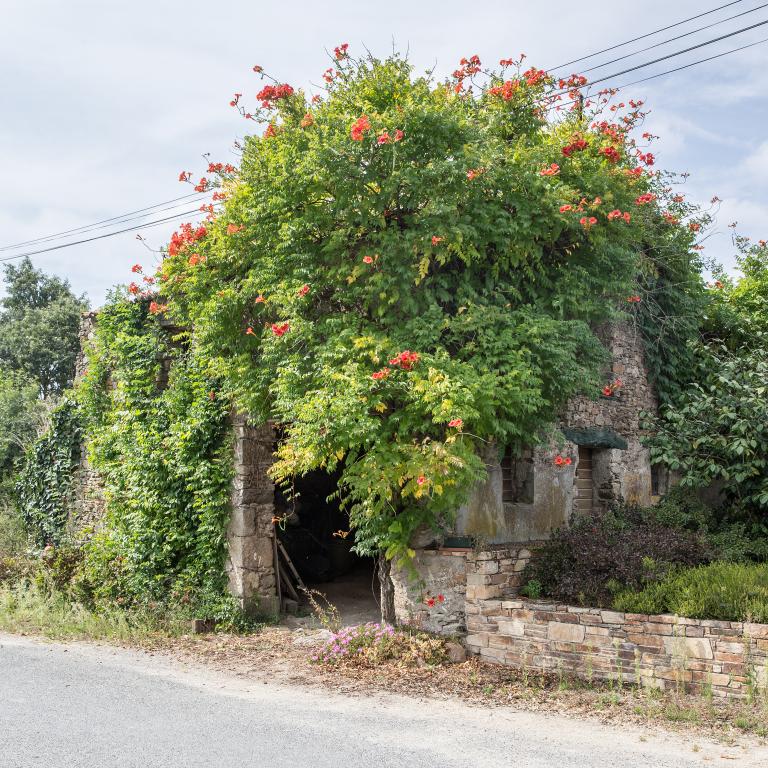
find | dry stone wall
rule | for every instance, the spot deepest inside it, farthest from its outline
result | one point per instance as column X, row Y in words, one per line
column 728, row 658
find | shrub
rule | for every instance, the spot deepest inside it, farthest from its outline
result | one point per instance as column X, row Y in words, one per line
column 729, row 537
column 722, row 591
column 371, row 644
column 601, row 554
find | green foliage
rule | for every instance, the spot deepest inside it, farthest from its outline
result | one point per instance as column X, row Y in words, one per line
column 598, row 555
column 39, row 324
column 738, row 312
column 334, row 255
column 44, row 485
column 21, row 415
column 165, row 456
column 717, row 433
column 728, row 539
column 721, row 591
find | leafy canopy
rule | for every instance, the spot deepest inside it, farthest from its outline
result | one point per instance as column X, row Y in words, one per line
column 39, row 323
column 407, row 269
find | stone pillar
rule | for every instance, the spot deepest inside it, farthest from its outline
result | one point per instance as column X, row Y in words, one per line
column 250, row 561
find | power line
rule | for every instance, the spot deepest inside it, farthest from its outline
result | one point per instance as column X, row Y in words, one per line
column 643, row 37
column 668, row 56
column 121, row 219
column 672, row 39
column 670, row 71
column 124, row 219
column 101, row 237
column 680, row 53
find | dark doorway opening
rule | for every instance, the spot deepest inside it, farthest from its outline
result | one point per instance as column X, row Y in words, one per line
column 315, row 533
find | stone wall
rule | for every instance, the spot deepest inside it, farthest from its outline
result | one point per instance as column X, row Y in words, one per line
column 461, row 576
column 250, row 562
column 88, row 504
column 620, row 474
column 726, row 658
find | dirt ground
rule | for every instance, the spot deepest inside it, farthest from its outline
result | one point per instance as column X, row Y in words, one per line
column 282, row 654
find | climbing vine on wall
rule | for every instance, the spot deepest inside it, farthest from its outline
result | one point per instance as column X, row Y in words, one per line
column 161, row 443
column 44, row 485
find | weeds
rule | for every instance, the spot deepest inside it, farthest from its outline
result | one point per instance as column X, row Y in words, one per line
column 27, row 609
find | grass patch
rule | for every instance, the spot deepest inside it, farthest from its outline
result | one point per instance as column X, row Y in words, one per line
column 27, row 609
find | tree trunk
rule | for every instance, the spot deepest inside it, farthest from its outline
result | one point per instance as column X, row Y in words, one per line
column 386, row 590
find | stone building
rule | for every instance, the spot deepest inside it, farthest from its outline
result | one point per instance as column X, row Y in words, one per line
column 524, row 498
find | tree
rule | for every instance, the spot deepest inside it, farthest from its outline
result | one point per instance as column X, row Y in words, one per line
column 21, row 415
column 717, row 432
column 406, row 270
column 39, row 324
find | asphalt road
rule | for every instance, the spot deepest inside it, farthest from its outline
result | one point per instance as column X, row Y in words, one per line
column 84, row 706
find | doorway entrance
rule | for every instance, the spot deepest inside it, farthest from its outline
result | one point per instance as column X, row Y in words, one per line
column 315, row 533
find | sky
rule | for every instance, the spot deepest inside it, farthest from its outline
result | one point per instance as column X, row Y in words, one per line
column 104, row 102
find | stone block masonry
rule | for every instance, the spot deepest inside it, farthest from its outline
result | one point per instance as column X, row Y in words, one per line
column 463, row 577
column 728, row 658
column 250, row 562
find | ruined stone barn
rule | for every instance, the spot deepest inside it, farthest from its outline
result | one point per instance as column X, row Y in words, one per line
column 524, row 498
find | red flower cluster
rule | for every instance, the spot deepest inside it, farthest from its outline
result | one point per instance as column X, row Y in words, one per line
column 280, row 329
column 617, row 214
column 565, row 208
column 195, row 259
column 221, row 168
column 647, row 158
column 610, row 389
column 467, row 68
column 134, row 289
column 634, row 299
column 553, row 170
column 436, row 239
column 634, row 172
column 406, row 360
column 648, row 197
column 307, row 120
column 578, row 144
column 340, row 51
column 304, row 290
column 506, row 90
column 156, row 309
column 694, row 226
column 270, row 132
column 185, row 176
column 385, row 138
column 457, row 423
column 185, row 237
column 369, row 259
column 534, row 76
column 420, row 480
column 430, row 601
column 202, row 185
column 610, row 153
column 382, row 374
column 136, row 269
column 669, row 218
column 269, row 94
column 473, row 173
column 574, row 81
column 587, row 222
column 233, row 229
column 563, row 461
column 359, row 128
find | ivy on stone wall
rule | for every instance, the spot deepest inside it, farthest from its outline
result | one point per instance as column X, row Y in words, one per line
column 161, row 443
column 44, row 485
